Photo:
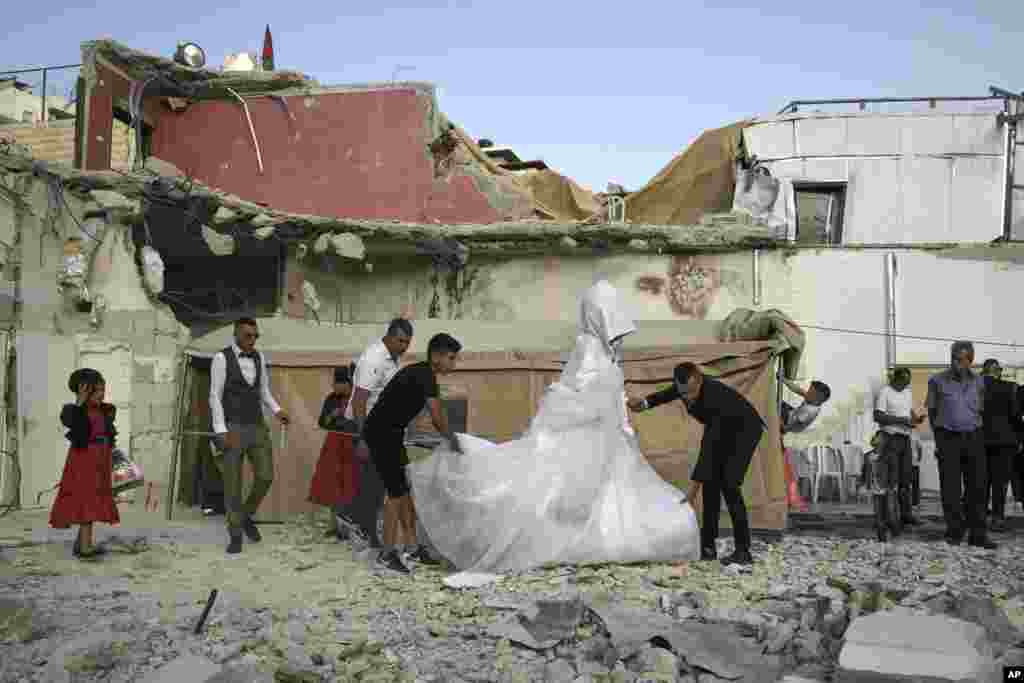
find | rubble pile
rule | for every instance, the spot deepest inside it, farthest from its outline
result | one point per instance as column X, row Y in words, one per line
column 324, row 614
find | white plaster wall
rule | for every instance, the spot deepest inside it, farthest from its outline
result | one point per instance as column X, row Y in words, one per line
column 912, row 178
column 845, row 290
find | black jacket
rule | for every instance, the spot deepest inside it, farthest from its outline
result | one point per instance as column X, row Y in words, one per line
column 1000, row 414
column 76, row 419
column 732, row 430
column 338, row 423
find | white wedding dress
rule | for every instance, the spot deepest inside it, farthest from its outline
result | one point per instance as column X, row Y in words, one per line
column 574, row 490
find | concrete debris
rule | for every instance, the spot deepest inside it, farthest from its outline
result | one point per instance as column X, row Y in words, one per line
column 301, row 251
column 264, row 232
column 224, row 215
column 348, row 245
column 263, row 220
column 309, row 296
column 152, row 270
column 639, row 245
column 187, row 668
column 569, row 242
column 110, row 200
column 163, row 168
column 901, row 645
column 322, row 242
column 312, row 610
column 221, row 245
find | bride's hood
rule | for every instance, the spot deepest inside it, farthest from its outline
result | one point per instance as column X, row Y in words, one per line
column 602, row 315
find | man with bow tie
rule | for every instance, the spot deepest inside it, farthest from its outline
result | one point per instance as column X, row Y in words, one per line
column 239, row 388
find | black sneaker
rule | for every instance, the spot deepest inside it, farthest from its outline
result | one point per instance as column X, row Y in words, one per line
column 742, row 557
column 251, row 531
column 390, row 560
column 708, row 554
column 235, row 546
column 422, row 556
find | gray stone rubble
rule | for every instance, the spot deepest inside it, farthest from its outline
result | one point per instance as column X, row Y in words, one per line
column 694, row 623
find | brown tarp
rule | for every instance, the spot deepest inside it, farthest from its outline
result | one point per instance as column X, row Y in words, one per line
column 560, row 195
column 700, row 180
column 746, row 323
column 503, row 388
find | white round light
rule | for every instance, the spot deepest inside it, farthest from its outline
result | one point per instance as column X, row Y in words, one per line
column 190, row 55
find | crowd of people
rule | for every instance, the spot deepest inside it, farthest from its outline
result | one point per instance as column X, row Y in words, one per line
column 575, row 489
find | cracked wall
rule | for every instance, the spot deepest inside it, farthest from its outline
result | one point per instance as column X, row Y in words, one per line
column 356, row 153
column 128, row 336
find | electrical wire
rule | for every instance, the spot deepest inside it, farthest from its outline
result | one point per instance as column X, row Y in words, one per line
column 867, row 333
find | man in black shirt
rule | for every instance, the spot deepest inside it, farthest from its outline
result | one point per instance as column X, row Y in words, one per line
column 732, row 431
column 412, row 388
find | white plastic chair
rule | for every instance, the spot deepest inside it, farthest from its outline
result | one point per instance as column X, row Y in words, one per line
column 828, row 464
column 853, row 461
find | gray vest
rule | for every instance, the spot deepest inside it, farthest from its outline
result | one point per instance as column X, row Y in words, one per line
column 241, row 401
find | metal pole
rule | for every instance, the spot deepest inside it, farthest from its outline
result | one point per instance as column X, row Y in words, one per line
column 890, row 324
column 757, row 277
column 176, row 448
column 1009, row 156
column 45, row 114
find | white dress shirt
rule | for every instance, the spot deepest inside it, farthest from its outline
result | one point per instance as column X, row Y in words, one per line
column 218, row 372
column 374, row 370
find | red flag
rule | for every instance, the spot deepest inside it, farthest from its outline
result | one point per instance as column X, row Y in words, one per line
column 268, row 50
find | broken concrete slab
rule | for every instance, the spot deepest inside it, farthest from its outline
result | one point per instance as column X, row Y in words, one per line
column 224, row 215
column 714, row 648
column 899, row 645
column 110, row 200
column 348, row 245
column 541, row 625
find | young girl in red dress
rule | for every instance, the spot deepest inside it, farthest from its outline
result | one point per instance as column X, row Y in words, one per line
column 336, row 479
column 85, row 493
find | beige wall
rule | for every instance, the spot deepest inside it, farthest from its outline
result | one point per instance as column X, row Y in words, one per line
column 134, row 343
column 841, row 289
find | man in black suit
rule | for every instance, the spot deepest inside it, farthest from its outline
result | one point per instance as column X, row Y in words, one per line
column 1000, row 439
column 732, row 430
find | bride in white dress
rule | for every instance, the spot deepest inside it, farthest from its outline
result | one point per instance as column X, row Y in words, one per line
column 574, row 490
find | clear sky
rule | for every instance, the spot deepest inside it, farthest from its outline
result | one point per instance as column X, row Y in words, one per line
column 601, row 91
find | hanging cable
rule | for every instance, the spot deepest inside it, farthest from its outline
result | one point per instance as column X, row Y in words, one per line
column 905, row 336
column 252, row 130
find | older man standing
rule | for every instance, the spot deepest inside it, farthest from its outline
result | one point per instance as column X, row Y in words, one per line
column 956, row 401
column 374, row 370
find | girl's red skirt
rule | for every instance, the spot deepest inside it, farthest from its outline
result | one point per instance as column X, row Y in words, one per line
column 336, row 479
column 85, row 492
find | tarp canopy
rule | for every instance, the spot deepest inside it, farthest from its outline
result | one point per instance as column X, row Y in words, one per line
column 502, row 374
column 702, row 179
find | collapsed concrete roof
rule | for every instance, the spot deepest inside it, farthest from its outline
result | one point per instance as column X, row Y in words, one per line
column 126, row 194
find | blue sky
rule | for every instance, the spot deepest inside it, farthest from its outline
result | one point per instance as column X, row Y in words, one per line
column 601, row 91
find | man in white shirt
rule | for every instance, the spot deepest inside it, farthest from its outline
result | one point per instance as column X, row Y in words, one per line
column 374, row 369
column 894, row 413
column 239, row 389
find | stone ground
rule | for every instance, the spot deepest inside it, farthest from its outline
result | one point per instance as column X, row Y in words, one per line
column 302, row 609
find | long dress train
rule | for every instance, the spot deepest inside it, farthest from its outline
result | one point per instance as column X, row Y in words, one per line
column 574, row 490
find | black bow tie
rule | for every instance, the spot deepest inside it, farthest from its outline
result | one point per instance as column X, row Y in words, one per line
column 248, row 354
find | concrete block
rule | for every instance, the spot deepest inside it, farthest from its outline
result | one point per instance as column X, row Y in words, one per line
column 901, row 645
column 185, row 668
column 164, row 345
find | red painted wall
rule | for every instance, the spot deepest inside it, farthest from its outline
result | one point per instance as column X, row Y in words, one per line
column 356, row 154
